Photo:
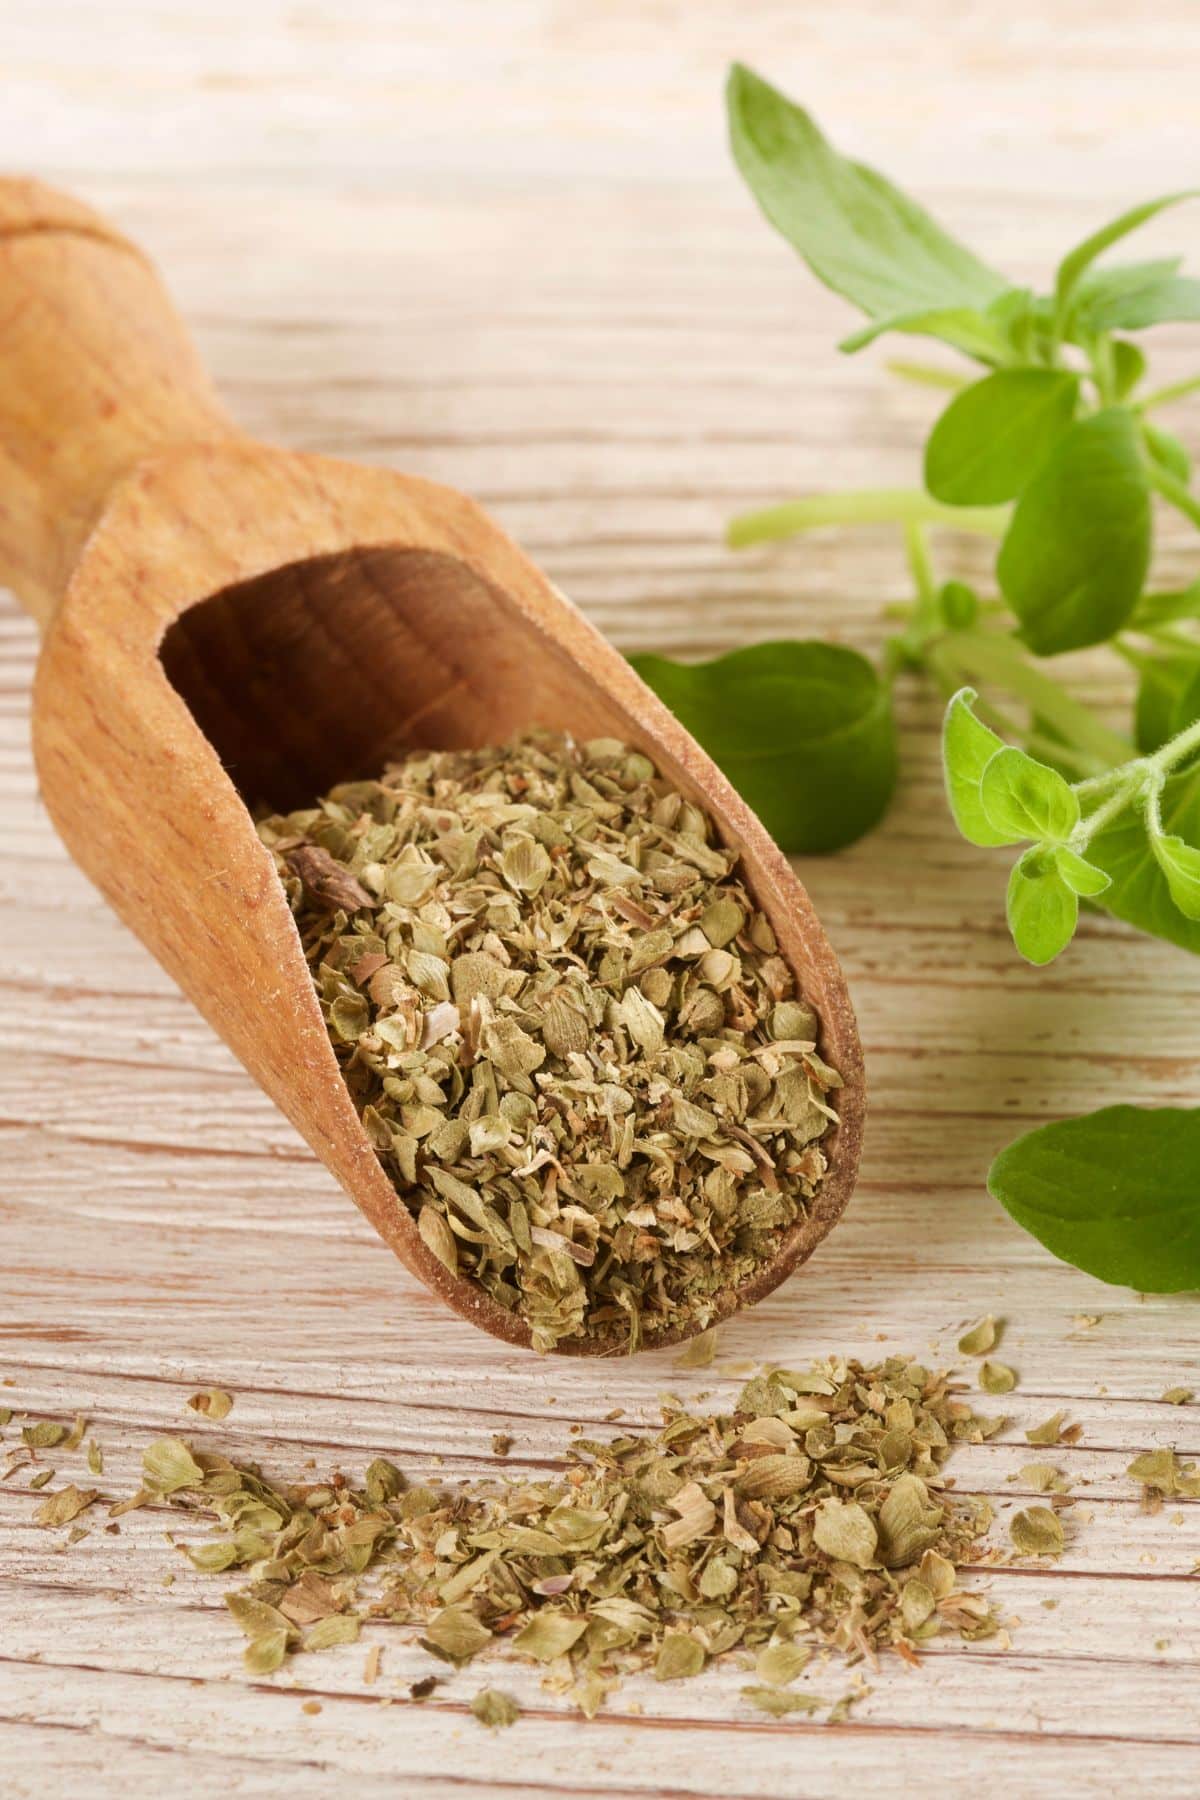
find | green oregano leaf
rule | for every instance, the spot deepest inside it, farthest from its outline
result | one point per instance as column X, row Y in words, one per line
column 964, row 327
column 857, row 232
column 1024, row 798
column 1128, row 367
column 1166, row 450
column 958, row 605
column 1042, row 910
column 1167, row 609
column 1082, row 877
column 1113, row 1192
column 1077, row 548
column 994, row 435
column 804, row 731
column 1133, row 296
column 1073, row 265
column 967, row 748
column 1141, row 892
column 1180, row 863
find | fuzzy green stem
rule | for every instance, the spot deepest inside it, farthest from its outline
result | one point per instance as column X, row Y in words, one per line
column 1108, row 810
column 1152, row 812
column 1140, row 779
column 869, row 506
column 1171, row 638
column 1176, row 750
column 1096, row 785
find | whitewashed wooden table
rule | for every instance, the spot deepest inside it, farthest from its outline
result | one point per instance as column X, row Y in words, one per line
column 501, row 245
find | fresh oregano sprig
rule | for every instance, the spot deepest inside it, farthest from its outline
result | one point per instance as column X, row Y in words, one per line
column 1051, row 452
column 1076, row 832
column 1051, row 448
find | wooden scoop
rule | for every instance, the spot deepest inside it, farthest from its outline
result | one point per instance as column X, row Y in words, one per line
column 227, row 623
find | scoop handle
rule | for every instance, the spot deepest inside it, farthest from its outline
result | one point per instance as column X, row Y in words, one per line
column 96, row 372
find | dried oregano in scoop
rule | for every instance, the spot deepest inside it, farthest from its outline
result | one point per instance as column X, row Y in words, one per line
column 570, row 1035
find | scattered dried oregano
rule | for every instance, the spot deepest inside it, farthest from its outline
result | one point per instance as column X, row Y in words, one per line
column 569, row 1032
column 1044, row 1478
column 982, row 1337
column 495, row 1709
column 1037, row 1532
column 1161, row 1472
column 214, row 1403
column 997, row 1378
column 699, row 1352
column 814, row 1514
column 61, row 1507
column 43, row 1434
column 1049, row 1432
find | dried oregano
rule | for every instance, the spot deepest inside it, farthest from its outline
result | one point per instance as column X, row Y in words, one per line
column 1037, row 1531
column 980, row 1338
column 997, row 1378
column 568, row 1030
column 61, row 1507
column 814, row 1514
column 1161, row 1472
column 214, row 1403
column 495, row 1709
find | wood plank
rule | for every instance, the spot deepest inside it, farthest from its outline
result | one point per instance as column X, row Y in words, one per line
column 504, row 248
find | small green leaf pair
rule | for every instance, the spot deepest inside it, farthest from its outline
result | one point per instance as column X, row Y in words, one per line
column 1077, row 548
column 999, row 795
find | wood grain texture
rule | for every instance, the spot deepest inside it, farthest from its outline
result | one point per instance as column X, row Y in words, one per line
column 502, row 248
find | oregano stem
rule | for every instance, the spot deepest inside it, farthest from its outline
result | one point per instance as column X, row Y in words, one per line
column 867, row 506
column 916, row 546
column 926, row 375
column 1176, row 749
column 1117, row 802
column 999, row 659
column 1163, row 396
column 1152, row 812
column 1141, row 778
column 1174, row 491
column 1100, row 784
